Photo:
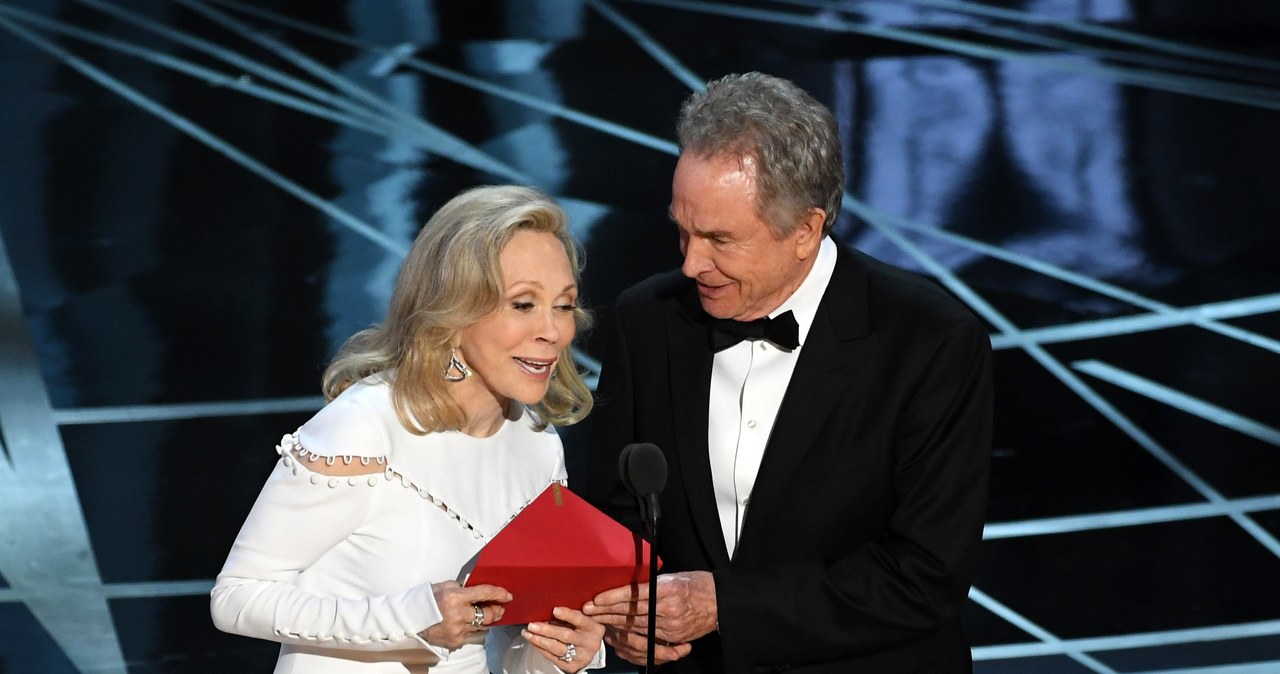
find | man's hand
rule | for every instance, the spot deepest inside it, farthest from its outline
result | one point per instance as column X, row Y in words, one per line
column 632, row 647
column 686, row 608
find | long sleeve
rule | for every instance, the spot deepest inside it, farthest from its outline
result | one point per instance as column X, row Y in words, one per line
column 914, row 576
column 297, row 519
column 865, row 520
column 612, row 429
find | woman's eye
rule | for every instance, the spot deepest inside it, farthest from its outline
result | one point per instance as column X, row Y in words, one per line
column 567, row 307
column 522, row 306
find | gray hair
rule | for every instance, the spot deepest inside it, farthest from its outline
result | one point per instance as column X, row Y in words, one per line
column 791, row 138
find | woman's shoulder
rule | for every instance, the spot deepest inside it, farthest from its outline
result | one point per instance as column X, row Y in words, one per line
column 357, row 423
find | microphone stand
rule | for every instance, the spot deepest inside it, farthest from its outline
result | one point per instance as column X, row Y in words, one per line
column 653, row 587
column 643, row 471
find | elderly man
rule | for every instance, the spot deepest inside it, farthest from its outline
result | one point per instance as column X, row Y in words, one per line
column 826, row 418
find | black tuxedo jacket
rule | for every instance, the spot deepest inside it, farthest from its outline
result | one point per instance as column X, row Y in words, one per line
column 857, row 547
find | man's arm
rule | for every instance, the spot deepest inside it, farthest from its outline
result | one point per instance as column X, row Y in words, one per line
column 612, row 429
column 914, row 577
column 899, row 588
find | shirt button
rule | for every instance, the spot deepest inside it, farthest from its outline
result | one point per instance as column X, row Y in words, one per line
column 751, row 423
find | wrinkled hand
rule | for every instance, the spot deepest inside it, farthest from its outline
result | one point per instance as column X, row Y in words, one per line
column 686, row 610
column 634, row 647
column 458, row 606
column 553, row 638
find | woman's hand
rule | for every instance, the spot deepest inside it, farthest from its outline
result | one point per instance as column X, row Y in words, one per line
column 465, row 610
column 570, row 641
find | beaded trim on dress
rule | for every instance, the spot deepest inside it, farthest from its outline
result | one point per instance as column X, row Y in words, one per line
column 294, row 456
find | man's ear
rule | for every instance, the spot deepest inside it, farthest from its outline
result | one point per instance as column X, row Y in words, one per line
column 808, row 235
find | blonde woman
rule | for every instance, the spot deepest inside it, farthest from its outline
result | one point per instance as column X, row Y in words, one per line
column 438, row 431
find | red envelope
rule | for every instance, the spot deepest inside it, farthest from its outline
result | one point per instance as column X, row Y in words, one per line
column 559, row 551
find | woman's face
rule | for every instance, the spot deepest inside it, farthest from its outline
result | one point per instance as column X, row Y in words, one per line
column 514, row 351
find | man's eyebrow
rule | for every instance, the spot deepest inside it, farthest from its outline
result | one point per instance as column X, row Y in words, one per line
column 710, row 233
column 695, row 230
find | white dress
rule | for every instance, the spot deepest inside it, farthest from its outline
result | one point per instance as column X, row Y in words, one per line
column 339, row 569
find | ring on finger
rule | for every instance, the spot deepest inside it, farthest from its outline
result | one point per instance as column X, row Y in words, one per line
column 570, row 653
column 478, row 620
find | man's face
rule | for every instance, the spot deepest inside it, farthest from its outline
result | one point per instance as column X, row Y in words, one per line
column 742, row 271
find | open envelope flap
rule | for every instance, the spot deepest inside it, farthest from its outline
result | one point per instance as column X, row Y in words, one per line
column 559, row 551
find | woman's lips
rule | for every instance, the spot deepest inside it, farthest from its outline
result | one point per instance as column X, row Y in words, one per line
column 535, row 367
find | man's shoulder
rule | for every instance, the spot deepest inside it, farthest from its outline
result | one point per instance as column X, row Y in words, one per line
column 905, row 294
column 659, row 289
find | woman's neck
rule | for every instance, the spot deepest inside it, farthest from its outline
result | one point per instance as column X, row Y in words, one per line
column 484, row 412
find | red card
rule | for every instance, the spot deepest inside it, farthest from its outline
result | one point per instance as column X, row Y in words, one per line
column 559, row 551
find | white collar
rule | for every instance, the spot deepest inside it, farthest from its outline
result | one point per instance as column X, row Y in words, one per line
column 805, row 300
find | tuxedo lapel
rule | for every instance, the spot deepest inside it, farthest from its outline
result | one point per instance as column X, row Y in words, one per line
column 822, row 375
column 688, row 342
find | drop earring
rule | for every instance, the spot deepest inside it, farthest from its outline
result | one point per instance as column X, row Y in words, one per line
column 456, row 370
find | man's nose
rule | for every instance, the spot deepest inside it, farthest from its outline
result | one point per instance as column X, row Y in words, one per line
column 696, row 260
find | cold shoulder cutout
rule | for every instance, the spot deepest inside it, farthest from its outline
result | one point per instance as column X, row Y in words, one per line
column 293, row 453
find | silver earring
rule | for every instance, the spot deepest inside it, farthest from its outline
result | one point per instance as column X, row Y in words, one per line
column 456, row 370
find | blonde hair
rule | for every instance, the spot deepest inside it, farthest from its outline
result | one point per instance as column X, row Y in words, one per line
column 451, row 279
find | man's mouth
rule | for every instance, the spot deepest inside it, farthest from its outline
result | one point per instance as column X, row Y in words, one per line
column 709, row 289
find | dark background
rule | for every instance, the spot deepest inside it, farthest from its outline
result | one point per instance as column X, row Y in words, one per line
column 199, row 202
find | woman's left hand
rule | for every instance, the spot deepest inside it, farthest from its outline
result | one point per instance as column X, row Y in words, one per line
column 570, row 641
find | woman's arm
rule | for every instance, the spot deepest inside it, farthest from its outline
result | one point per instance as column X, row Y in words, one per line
column 297, row 518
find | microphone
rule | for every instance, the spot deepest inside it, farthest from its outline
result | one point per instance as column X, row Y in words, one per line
column 643, row 471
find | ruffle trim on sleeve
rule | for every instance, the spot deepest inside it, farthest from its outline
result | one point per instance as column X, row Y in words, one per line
column 295, row 457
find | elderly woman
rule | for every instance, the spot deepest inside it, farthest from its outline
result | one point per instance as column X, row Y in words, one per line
column 438, row 432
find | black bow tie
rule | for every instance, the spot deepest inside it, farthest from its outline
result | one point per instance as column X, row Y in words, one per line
column 781, row 331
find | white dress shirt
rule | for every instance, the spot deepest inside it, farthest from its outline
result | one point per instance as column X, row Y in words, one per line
column 748, row 381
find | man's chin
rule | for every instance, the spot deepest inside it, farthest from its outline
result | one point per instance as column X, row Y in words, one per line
column 715, row 309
